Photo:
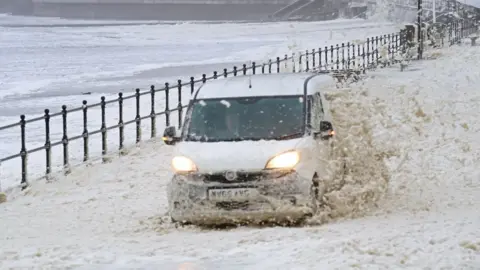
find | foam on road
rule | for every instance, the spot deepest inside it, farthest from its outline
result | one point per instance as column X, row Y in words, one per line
column 425, row 122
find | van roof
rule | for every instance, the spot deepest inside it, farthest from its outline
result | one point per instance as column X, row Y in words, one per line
column 278, row 84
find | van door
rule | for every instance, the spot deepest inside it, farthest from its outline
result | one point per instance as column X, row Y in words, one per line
column 323, row 147
column 337, row 157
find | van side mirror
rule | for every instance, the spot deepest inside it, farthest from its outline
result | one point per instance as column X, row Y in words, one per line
column 326, row 130
column 170, row 135
column 325, row 126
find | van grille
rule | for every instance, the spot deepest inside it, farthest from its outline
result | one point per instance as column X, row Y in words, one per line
column 241, row 177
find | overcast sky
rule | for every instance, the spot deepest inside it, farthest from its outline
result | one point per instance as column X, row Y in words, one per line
column 475, row 3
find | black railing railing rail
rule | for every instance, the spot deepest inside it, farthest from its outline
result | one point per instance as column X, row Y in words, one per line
column 345, row 56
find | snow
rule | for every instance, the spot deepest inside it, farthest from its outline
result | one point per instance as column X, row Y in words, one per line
column 264, row 85
column 226, row 103
column 423, row 122
column 63, row 62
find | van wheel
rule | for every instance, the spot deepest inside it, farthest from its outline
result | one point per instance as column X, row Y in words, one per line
column 177, row 223
column 180, row 224
column 316, row 193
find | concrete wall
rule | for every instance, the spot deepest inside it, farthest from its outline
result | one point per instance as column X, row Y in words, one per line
column 166, row 11
column 20, row 7
column 270, row 2
column 177, row 10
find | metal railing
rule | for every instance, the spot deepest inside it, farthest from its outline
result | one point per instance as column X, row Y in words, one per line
column 362, row 56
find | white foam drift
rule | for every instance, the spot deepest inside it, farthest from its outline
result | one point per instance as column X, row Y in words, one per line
column 423, row 122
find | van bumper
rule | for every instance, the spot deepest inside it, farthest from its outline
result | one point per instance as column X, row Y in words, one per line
column 275, row 198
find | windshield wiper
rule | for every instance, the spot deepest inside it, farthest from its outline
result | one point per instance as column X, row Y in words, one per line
column 204, row 138
column 289, row 136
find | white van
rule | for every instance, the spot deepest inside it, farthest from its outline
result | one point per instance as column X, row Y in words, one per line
column 253, row 149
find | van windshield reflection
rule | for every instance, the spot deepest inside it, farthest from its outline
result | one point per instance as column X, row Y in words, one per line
column 246, row 118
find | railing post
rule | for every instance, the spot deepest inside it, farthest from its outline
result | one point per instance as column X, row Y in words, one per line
column 420, row 33
column 153, row 117
column 307, row 62
column 225, row 72
column 278, row 64
column 455, row 33
column 403, row 40
column 179, row 106
column 269, row 65
column 389, row 48
column 167, row 103
column 85, row 130
column 23, row 152
column 389, row 52
column 442, row 35
column 294, row 65
column 253, row 68
column 121, row 126
column 460, row 30
column 337, row 49
column 348, row 55
column 314, row 55
column 359, row 54
column 332, row 62
column 398, row 42
column 394, row 45
column 354, row 61
column 326, row 58
column 450, row 33
column 48, row 146
column 103, row 129
column 368, row 52
column 192, row 83
column 363, row 56
column 137, row 117
column 244, row 69
column 65, row 141
column 300, row 62
column 373, row 50
column 319, row 59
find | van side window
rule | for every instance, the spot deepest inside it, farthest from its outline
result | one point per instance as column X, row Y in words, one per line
column 317, row 112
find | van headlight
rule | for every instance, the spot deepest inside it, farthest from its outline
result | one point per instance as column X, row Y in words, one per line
column 183, row 164
column 286, row 160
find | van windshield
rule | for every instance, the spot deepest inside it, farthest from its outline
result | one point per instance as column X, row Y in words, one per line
column 246, row 118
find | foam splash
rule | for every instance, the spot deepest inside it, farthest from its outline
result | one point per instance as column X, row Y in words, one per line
column 367, row 176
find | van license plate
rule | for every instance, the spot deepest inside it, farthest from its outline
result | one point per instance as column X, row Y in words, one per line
column 232, row 194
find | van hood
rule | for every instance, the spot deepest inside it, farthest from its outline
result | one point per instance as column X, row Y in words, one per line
column 212, row 157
